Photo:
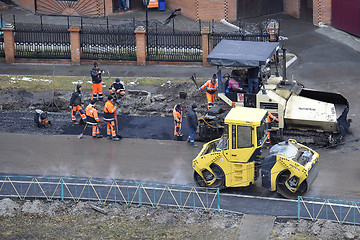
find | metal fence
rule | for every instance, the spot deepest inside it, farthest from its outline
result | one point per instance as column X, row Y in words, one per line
column 76, row 189
column 329, row 209
column 42, row 43
column 174, row 46
column 108, row 45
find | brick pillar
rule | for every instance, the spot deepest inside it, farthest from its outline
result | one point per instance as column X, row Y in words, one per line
column 140, row 46
column 206, row 44
column 9, row 43
column 75, row 44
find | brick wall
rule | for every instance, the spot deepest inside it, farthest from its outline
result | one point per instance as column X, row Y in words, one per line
column 322, row 11
column 292, row 7
column 205, row 10
column 108, row 7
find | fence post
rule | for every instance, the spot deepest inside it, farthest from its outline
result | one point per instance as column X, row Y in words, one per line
column 140, row 196
column 75, row 44
column 9, row 43
column 298, row 207
column 206, row 44
column 62, row 189
column 140, row 46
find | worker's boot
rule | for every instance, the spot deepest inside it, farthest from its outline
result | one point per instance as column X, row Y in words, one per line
column 99, row 136
column 115, row 138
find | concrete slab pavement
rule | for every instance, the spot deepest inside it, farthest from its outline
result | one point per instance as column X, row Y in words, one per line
column 256, row 227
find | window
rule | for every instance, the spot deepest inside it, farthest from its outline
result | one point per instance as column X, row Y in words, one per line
column 262, row 131
column 241, row 137
column 224, row 139
column 244, row 138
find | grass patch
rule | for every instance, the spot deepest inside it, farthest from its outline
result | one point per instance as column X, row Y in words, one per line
column 66, row 83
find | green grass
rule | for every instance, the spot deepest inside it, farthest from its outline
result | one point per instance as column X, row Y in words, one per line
column 46, row 83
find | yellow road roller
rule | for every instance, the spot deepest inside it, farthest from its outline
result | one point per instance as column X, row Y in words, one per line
column 235, row 159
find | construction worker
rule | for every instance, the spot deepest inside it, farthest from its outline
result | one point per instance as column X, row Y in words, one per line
column 211, row 88
column 110, row 118
column 269, row 119
column 92, row 119
column 117, row 89
column 75, row 104
column 97, row 82
column 41, row 119
column 193, row 123
column 177, row 113
column 253, row 79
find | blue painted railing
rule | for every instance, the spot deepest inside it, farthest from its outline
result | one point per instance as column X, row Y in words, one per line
column 103, row 191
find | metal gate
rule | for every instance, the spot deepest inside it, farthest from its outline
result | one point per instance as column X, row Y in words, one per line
column 346, row 15
column 255, row 8
column 90, row 8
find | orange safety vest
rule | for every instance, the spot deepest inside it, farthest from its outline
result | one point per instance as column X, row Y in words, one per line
column 177, row 115
column 270, row 116
column 109, row 107
column 210, row 87
column 92, row 112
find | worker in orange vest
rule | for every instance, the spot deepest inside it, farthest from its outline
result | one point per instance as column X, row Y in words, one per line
column 177, row 113
column 97, row 82
column 92, row 118
column 75, row 104
column 110, row 118
column 269, row 119
column 211, row 88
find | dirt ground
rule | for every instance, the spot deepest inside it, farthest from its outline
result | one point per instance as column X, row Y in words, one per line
column 67, row 220
column 141, row 99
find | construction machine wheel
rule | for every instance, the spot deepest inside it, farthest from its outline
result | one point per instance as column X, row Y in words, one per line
column 219, row 174
column 284, row 183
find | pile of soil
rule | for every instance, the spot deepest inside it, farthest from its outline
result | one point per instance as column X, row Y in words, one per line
column 139, row 100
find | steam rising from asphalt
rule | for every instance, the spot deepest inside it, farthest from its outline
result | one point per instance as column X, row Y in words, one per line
column 177, row 172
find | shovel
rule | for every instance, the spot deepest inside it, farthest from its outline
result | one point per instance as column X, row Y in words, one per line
column 82, row 133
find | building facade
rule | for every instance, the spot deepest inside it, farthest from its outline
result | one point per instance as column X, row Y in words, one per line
column 341, row 14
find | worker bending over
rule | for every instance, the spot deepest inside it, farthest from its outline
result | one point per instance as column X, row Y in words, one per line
column 92, row 119
column 41, row 119
column 117, row 89
column 177, row 113
column 211, row 88
column 97, row 82
column 75, row 104
column 110, row 118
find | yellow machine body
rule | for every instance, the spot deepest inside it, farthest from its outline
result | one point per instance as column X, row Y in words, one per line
column 234, row 159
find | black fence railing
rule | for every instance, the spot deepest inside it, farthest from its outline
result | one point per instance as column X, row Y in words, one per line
column 42, row 43
column 108, row 45
column 217, row 37
column 174, row 47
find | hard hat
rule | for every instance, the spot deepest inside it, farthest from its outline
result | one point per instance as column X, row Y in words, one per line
column 117, row 80
column 110, row 97
column 194, row 106
column 92, row 101
column 95, row 64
